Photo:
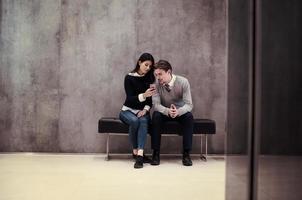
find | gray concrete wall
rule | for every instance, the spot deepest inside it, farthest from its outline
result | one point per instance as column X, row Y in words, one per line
column 63, row 64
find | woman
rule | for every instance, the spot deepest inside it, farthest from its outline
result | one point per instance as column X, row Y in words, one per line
column 135, row 111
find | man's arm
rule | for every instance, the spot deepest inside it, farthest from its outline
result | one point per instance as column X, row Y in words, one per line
column 187, row 98
column 158, row 106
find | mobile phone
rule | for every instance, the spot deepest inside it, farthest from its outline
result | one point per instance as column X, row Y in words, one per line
column 152, row 86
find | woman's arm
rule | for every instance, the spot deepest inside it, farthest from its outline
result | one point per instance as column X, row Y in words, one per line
column 131, row 97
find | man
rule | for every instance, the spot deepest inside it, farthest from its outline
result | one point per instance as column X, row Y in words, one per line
column 172, row 102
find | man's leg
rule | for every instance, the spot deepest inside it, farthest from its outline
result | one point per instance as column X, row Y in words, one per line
column 157, row 121
column 187, row 123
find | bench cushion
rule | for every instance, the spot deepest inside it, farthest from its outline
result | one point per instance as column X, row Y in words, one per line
column 114, row 125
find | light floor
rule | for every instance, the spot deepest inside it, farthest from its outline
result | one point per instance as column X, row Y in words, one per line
column 31, row 176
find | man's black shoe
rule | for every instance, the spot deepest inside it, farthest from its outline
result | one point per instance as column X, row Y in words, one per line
column 139, row 162
column 155, row 158
column 186, row 160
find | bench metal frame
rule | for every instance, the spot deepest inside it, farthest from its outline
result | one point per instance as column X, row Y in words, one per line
column 202, row 157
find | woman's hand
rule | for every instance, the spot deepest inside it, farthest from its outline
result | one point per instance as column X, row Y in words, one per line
column 149, row 92
column 141, row 113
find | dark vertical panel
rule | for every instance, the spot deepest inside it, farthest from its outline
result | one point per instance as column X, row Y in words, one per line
column 255, row 103
column 238, row 63
column 239, row 36
column 276, row 143
column 281, row 77
column 279, row 160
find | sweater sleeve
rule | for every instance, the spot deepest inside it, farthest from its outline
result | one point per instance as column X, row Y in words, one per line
column 131, row 97
column 149, row 102
column 158, row 106
column 187, row 98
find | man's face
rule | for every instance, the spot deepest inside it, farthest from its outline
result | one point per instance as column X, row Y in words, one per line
column 162, row 76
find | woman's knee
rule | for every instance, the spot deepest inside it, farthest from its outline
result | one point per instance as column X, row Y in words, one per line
column 144, row 120
column 134, row 121
column 129, row 118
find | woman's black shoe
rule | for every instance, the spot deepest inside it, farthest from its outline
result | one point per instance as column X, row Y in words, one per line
column 146, row 159
column 134, row 157
column 139, row 162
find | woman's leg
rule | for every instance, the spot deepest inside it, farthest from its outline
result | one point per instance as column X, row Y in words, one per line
column 142, row 133
column 133, row 121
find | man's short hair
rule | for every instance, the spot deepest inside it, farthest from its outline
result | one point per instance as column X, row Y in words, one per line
column 164, row 65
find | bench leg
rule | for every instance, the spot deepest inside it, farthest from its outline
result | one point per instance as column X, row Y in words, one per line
column 206, row 147
column 202, row 157
column 107, row 147
column 201, row 147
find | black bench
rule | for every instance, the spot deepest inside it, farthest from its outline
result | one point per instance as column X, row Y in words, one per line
column 113, row 126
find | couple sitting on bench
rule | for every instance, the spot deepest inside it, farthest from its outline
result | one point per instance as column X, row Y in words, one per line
column 171, row 100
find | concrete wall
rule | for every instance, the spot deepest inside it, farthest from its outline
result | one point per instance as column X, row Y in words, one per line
column 63, row 64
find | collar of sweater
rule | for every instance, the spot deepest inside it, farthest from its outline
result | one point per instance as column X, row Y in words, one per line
column 172, row 81
column 136, row 74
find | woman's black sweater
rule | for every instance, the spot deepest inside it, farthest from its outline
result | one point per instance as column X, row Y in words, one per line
column 135, row 85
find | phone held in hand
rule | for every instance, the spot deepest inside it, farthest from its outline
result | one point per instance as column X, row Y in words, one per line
column 152, row 86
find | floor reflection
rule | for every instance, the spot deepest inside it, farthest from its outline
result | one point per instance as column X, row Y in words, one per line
column 279, row 178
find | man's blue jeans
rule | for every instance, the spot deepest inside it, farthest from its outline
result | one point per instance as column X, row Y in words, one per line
column 138, row 128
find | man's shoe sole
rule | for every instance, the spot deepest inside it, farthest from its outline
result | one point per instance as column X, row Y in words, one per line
column 152, row 163
column 187, row 164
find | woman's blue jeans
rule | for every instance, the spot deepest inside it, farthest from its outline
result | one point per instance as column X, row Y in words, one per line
column 138, row 128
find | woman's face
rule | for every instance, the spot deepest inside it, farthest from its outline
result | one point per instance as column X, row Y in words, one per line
column 144, row 67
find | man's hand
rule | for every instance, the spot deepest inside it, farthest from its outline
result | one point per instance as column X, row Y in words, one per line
column 173, row 112
column 141, row 113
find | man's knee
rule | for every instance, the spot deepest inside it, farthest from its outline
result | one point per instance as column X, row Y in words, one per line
column 157, row 121
column 188, row 116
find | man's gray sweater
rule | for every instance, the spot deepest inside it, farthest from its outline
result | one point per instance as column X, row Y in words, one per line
column 179, row 95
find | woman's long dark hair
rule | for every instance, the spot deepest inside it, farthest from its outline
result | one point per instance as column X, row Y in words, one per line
column 144, row 57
